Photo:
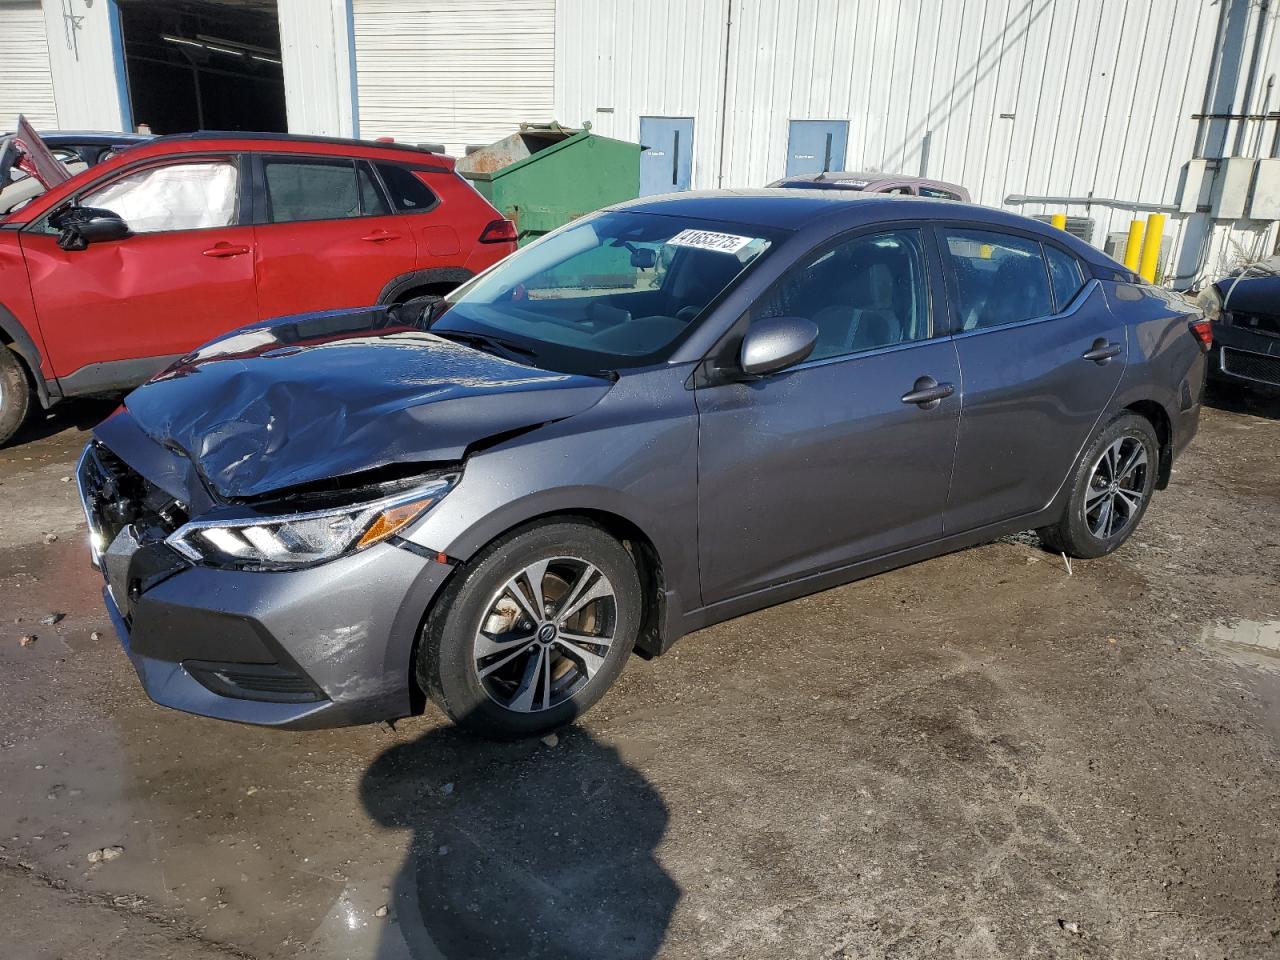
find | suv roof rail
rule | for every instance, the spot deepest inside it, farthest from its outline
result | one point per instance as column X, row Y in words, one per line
column 294, row 138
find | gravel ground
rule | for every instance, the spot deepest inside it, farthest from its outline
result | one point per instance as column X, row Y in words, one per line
column 978, row 756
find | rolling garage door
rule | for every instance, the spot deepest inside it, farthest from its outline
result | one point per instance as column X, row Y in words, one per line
column 455, row 72
column 26, row 85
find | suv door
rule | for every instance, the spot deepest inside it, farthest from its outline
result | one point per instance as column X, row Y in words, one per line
column 1041, row 355
column 327, row 236
column 830, row 461
column 117, row 311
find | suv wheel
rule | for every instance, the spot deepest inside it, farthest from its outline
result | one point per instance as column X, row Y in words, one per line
column 15, row 394
column 532, row 631
column 1110, row 490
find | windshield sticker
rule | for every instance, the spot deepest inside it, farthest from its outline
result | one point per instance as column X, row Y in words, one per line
column 706, row 240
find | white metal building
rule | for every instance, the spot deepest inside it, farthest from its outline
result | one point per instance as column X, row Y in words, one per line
column 1101, row 109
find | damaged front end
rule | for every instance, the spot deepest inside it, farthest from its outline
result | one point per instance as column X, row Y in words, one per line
column 246, row 509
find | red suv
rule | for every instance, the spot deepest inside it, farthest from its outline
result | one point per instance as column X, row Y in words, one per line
column 111, row 275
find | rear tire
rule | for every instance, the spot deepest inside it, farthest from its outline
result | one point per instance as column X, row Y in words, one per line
column 1111, row 488
column 15, row 394
column 505, row 665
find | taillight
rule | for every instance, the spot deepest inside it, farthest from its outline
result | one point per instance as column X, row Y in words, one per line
column 499, row 231
column 1202, row 330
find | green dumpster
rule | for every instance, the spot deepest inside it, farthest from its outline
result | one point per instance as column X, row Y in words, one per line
column 546, row 175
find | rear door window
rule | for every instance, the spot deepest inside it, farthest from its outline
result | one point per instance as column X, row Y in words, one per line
column 301, row 189
column 1064, row 274
column 408, row 193
column 999, row 278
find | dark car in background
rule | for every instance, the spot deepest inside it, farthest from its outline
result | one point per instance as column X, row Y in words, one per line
column 1245, row 310
column 661, row 416
column 117, row 272
column 876, row 183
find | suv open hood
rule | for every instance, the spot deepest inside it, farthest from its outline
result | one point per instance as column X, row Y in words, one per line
column 25, row 149
column 310, row 398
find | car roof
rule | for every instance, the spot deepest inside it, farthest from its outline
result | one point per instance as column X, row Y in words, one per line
column 794, row 209
column 219, row 135
column 105, row 138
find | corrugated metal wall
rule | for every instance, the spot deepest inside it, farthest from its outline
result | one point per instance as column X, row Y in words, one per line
column 315, row 45
column 26, row 82
column 453, row 71
column 1033, row 98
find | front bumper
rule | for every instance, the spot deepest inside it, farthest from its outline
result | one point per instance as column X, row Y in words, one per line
column 327, row 646
column 1245, row 357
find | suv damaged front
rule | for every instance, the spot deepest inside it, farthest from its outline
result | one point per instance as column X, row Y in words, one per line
column 245, row 507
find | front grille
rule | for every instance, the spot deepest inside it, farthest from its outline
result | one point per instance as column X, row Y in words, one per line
column 1251, row 366
column 268, row 682
column 1266, row 324
column 115, row 496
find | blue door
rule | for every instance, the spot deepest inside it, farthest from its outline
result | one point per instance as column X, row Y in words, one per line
column 816, row 146
column 666, row 165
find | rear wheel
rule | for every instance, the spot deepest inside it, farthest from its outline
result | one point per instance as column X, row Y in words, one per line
column 15, row 394
column 532, row 631
column 1110, row 490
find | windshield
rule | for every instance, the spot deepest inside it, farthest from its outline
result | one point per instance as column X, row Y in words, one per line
column 617, row 291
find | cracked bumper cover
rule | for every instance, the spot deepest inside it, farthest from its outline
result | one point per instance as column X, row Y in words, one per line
column 348, row 627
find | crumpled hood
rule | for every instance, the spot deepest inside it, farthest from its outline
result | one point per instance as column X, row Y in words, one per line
column 326, row 395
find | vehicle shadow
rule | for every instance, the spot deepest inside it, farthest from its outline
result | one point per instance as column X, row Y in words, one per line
column 521, row 849
column 1243, row 401
column 80, row 414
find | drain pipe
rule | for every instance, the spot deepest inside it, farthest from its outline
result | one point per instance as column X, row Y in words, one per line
column 1259, row 34
column 724, row 94
column 1215, row 70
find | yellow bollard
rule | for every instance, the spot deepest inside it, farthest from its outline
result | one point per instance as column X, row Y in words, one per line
column 1151, row 247
column 1133, row 247
column 1059, row 220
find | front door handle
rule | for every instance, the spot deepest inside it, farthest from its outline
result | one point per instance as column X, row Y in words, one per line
column 927, row 393
column 1102, row 351
column 222, row 250
column 380, row 236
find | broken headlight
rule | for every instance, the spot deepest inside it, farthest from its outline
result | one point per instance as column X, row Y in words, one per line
column 1210, row 302
column 303, row 539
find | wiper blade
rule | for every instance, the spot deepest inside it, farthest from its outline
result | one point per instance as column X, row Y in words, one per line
column 484, row 341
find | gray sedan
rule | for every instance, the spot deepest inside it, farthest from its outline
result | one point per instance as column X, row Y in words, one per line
column 659, row 417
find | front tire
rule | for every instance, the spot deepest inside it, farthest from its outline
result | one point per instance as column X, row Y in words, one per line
column 15, row 394
column 1111, row 488
column 532, row 631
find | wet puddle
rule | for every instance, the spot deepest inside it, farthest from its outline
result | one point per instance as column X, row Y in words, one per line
column 1255, row 642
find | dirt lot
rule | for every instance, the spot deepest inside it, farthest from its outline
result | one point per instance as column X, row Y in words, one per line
column 980, row 756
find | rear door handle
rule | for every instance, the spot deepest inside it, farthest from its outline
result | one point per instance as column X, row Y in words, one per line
column 379, row 236
column 1102, row 351
column 927, row 393
column 223, row 250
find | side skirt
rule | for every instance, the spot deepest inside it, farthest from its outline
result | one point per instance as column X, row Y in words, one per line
column 814, row 583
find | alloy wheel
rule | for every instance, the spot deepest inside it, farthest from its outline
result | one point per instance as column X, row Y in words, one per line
column 1117, row 488
column 545, row 634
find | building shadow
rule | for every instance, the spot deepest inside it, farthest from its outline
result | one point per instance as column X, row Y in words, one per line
column 521, row 849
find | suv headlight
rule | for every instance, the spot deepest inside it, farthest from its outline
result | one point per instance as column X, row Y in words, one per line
column 1210, row 302
column 303, row 539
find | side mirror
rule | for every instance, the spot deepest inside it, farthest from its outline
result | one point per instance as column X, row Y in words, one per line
column 82, row 226
column 775, row 343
